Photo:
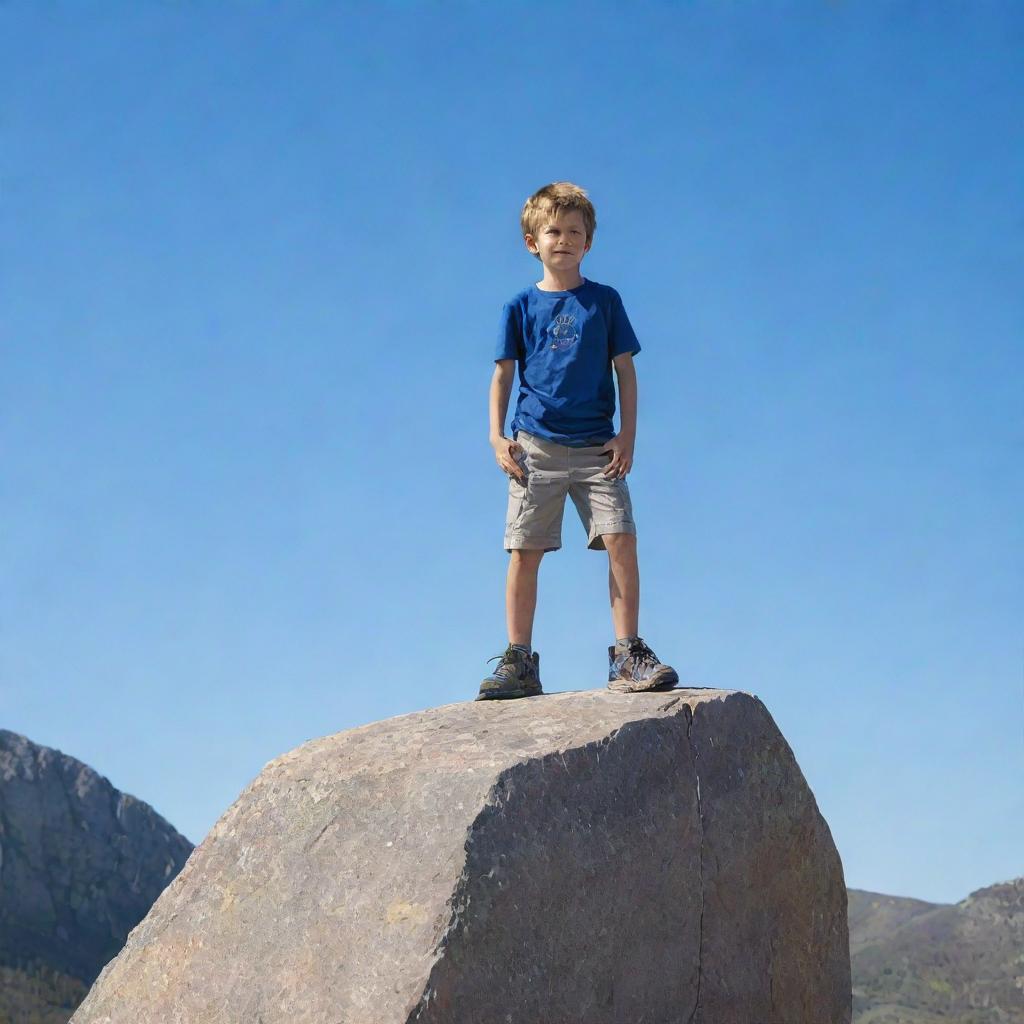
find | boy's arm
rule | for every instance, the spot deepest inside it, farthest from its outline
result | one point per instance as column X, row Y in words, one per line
column 625, row 372
column 501, row 388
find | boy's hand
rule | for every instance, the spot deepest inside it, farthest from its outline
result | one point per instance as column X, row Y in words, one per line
column 621, row 448
column 505, row 451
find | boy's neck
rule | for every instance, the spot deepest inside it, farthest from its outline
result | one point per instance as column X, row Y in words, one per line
column 560, row 282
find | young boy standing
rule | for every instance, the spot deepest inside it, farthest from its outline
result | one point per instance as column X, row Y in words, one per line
column 566, row 333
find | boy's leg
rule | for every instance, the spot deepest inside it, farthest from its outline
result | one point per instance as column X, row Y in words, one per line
column 623, row 582
column 521, row 593
column 606, row 510
column 632, row 665
column 518, row 675
column 533, row 525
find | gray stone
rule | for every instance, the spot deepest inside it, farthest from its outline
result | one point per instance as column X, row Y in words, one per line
column 583, row 857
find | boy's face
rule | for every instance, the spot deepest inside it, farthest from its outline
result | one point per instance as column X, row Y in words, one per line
column 561, row 242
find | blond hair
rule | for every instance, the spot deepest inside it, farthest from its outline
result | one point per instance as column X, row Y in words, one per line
column 548, row 202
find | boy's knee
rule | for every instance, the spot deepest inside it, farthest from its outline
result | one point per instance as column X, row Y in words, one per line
column 618, row 542
column 526, row 556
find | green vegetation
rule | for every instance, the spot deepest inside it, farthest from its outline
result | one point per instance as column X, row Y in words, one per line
column 38, row 995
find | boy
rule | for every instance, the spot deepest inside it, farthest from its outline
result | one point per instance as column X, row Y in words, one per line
column 566, row 333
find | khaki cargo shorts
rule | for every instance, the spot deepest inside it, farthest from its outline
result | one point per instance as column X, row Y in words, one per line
column 535, row 508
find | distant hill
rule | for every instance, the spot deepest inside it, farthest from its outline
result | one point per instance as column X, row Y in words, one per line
column 80, row 865
column 929, row 963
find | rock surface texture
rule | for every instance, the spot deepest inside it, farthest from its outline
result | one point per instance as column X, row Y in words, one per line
column 583, row 857
column 80, row 865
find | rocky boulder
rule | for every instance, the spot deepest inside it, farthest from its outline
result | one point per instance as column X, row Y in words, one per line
column 577, row 857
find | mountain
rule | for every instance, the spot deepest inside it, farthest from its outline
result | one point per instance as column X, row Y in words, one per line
column 873, row 916
column 80, row 865
column 927, row 963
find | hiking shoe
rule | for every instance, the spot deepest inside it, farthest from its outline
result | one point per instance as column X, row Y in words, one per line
column 518, row 675
column 634, row 667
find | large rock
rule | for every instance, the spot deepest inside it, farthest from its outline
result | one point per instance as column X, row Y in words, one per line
column 578, row 857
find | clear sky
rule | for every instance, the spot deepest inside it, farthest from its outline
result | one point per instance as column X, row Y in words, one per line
column 253, row 258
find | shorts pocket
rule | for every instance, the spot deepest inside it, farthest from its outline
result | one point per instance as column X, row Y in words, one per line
column 627, row 502
column 518, row 493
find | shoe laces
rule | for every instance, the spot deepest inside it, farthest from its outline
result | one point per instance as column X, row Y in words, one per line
column 507, row 656
column 641, row 653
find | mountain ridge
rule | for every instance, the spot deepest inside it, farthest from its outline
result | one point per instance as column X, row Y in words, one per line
column 81, row 862
column 915, row 962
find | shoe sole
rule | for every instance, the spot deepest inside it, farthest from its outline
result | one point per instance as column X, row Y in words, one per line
column 507, row 695
column 667, row 682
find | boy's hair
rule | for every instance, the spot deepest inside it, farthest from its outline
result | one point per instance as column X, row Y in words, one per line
column 546, row 203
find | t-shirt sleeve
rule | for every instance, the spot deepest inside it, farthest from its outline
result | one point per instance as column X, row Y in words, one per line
column 510, row 334
column 621, row 336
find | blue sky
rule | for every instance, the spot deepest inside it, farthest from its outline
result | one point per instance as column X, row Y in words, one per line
column 253, row 257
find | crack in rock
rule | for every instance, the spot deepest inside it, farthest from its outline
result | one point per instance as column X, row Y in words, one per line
column 700, row 818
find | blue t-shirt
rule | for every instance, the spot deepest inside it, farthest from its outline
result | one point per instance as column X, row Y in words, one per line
column 564, row 343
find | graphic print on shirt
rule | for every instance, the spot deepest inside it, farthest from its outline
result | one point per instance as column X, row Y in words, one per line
column 563, row 331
